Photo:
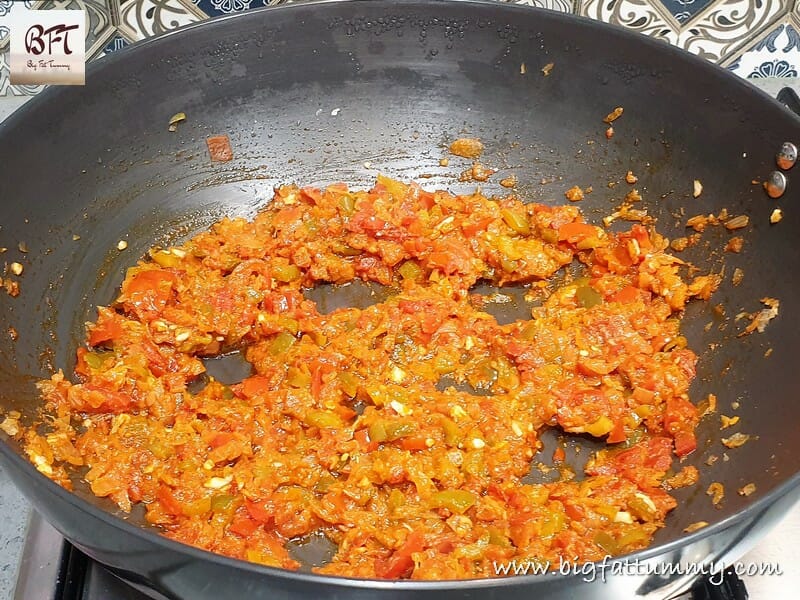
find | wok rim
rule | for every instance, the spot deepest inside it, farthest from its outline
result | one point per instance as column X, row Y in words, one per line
column 151, row 535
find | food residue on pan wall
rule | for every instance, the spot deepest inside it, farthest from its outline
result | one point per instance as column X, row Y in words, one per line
column 688, row 475
column 682, row 243
column 760, row 319
column 10, row 424
column 477, row 172
column 467, row 148
column 574, row 194
column 509, row 182
column 737, row 222
column 717, row 492
column 747, row 489
column 732, row 223
column 11, row 287
column 735, row 244
column 614, row 115
column 728, row 421
column 736, row 440
column 695, row 526
column 175, row 120
column 15, row 269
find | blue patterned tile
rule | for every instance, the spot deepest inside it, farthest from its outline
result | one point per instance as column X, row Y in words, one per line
column 116, row 43
column 684, row 10
column 775, row 54
column 215, row 8
column 140, row 19
column 774, row 68
column 558, row 5
column 784, row 38
column 6, row 6
column 717, row 30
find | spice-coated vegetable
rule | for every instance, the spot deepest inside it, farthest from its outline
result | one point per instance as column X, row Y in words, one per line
column 344, row 427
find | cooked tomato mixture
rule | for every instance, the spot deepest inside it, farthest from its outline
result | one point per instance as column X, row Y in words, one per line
column 345, row 427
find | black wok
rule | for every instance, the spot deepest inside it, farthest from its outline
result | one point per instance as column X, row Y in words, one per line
column 406, row 78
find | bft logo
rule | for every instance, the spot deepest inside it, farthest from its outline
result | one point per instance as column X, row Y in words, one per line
column 48, row 47
column 37, row 35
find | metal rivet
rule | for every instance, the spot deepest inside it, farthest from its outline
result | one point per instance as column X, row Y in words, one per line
column 787, row 156
column 775, row 185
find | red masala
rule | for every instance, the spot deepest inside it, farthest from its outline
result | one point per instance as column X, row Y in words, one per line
column 343, row 429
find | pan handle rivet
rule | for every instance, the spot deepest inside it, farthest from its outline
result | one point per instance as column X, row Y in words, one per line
column 787, row 156
column 775, row 185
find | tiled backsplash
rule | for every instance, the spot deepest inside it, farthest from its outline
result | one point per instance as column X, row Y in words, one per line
column 752, row 38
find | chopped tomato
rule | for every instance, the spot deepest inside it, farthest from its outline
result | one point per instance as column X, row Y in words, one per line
column 100, row 398
column 169, row 503
column 644, row 463
column 364, row 220
column 243, row 525
column 362, row 437
column 107, row 328
column 221, row 439
column 81, row 367
column 574, row 511
column 259, row 512
column 414, row 443
column 318, row 372
column 426, row 200
column 472, row 228
column 641, row 236
column 617, row 434
column 151, row 280
column 575, row 232
column 313, row 194
column 219, row 148
column 254, row 386
column 685, row 443
column 679, row 420
column 148, row 292
column 159, row 363
column 450, row 258
column 400, row 564
column 414, row 306
column 417, row 246
column 626, row 295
